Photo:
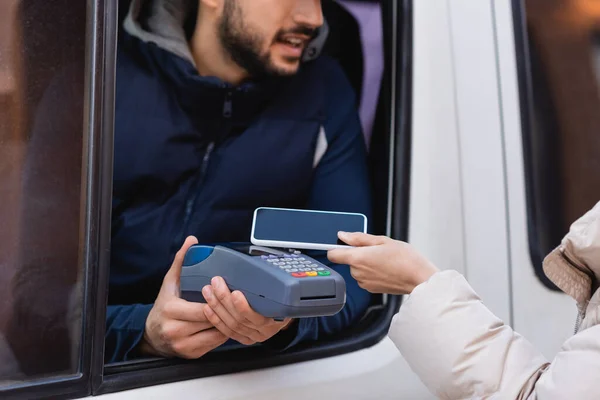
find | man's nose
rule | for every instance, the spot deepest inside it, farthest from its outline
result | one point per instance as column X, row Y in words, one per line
column 309, row 13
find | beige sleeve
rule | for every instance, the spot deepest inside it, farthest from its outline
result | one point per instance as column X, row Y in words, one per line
column 459, row 348
column 575, row 372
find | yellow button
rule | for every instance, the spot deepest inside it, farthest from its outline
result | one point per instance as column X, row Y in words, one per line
column 311, row 273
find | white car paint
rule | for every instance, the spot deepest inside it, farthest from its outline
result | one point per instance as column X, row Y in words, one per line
column 371, row 374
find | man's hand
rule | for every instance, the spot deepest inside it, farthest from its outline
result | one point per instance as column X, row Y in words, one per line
column 175, row 327
column 383, row 265
column 231, row 314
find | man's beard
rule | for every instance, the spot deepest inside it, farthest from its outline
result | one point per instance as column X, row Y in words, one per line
column 244, row 46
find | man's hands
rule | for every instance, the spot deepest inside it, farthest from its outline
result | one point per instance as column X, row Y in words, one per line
column 383, row 265
column 231, row 314
column 175, row 327
column 178, row 328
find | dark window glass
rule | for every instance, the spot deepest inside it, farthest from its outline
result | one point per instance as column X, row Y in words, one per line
column 558, row 42
column 42, row 188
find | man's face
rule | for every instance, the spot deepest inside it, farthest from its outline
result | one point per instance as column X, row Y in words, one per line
column 268, row 37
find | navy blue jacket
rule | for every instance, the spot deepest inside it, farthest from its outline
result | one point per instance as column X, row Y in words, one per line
column 195, row 156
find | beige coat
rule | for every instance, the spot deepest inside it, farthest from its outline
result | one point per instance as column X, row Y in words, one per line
column 460, row 350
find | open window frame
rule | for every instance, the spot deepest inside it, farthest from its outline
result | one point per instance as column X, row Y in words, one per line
column 395, row 105
column 94, row 377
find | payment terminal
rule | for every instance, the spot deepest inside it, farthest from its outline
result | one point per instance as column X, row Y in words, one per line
column 277, row 283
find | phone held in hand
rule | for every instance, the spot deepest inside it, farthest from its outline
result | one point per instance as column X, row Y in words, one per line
column 303, row 229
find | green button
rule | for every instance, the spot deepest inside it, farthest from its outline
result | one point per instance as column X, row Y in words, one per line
column 324, row 273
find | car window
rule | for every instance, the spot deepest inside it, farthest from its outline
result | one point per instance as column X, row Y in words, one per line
column 210, row 150
column 558, row 44
column 42, row 189
column 143, row 181
column 51, row 203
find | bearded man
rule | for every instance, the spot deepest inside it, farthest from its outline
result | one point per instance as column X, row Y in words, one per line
column 222, row 106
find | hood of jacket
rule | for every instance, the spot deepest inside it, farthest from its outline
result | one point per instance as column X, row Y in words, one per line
column 163, row 22
column 574, row 266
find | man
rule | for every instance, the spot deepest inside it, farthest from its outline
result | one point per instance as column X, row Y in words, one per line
column 216, row 114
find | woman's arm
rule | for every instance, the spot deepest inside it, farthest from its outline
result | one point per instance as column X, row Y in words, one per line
column 456, row 345
column 459, row 348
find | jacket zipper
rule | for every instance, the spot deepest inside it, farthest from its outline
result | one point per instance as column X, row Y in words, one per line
column 580, row 317
column 191, row 202
column 227, row 105
column 581, row 309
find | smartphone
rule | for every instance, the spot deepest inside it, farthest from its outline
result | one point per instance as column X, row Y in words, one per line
column 303, row 229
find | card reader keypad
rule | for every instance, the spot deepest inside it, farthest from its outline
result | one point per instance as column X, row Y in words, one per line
column 297, row 265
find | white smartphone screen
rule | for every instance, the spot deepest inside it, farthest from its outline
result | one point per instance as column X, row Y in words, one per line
column 304, row 228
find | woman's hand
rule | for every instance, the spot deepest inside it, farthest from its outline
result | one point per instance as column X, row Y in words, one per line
column 383, row 265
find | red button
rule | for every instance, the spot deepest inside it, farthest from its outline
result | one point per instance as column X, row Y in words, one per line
column 299, row 274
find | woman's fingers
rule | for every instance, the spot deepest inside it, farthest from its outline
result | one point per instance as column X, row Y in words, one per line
column 359, row 239
column 340, row 256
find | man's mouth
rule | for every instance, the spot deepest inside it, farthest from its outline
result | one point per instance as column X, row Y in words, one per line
column 295, row 42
